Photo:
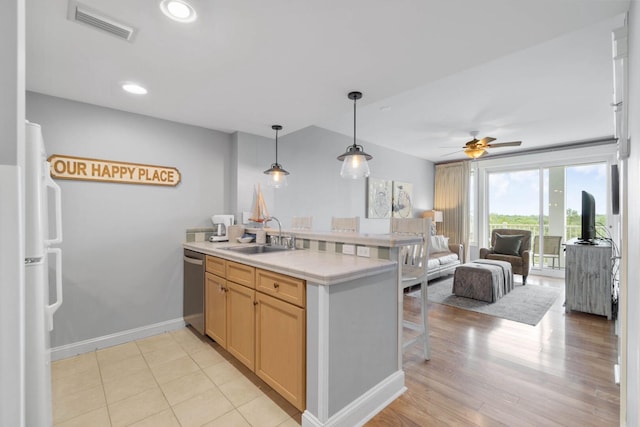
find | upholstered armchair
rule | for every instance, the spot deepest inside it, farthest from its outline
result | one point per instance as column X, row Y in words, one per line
column 513, row 246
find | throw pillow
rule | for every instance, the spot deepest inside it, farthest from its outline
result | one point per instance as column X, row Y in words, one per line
column 439, row 243
column 508, row 244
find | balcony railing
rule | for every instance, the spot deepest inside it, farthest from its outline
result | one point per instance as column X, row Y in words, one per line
column 570, row 231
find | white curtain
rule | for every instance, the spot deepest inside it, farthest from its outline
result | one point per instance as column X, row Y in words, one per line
column 451, row 196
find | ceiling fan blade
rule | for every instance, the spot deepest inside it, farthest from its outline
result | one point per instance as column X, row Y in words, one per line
column 486, row 140
column 505, row 144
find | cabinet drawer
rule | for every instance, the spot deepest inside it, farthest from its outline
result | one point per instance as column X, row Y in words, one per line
column 241, row 274
column 216, row 265
column 283, row 287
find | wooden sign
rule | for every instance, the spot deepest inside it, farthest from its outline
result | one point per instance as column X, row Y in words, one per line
column 69, row 167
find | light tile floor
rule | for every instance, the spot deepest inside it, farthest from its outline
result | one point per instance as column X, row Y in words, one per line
column 176, row 379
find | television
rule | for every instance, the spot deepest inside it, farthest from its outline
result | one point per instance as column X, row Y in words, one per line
column 588, row 234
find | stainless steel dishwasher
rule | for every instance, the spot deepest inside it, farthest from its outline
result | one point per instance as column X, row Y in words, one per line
column 193, row 290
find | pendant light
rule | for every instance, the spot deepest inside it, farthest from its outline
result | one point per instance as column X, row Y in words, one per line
column 354, row 160
column 278, row 175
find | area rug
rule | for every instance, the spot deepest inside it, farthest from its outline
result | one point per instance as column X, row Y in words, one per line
column 525, row 304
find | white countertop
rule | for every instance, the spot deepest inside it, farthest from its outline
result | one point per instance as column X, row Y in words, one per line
column 324, row 268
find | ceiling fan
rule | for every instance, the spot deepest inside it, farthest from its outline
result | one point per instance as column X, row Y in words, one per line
column 478, row 147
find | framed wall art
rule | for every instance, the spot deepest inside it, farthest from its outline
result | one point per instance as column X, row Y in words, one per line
column 402, row 206
column 379, row 197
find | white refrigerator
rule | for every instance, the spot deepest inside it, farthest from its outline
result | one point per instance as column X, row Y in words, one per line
column 43, row 230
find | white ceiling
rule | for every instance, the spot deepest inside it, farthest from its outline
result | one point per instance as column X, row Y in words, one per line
column 537, row 71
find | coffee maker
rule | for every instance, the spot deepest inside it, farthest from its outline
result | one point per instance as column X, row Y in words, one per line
column 221, row 225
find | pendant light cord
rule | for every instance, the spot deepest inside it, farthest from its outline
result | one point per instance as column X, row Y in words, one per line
column 354, row 121
column 276, row 146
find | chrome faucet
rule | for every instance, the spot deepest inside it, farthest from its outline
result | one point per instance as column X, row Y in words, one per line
column 279, row 242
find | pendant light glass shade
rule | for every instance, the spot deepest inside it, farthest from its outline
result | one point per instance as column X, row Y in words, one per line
column 278, row 176
column 354, row 159
column 355, row 165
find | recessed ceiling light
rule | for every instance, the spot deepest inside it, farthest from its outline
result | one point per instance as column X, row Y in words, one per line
column 134, row 88
column 178, row 10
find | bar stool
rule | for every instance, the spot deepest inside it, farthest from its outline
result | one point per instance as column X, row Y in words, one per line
column 413, row 266
column 301, row 222
column 345, row 224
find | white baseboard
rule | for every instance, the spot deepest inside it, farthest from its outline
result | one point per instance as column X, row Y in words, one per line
column 93, row 344
column 363, row 408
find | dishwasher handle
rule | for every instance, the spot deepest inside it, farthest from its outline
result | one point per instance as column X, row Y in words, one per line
column 193, row 261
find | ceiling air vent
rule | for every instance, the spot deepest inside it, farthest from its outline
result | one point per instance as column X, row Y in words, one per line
column 85, row 15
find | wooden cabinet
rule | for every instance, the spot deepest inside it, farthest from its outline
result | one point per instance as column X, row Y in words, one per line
column 588, row 278
column 230, row 307
column 259, row 317
column 216, row 308
column 241, row 323
column 281, row 348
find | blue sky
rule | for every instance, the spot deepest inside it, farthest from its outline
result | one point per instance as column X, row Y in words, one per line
column 516, row 193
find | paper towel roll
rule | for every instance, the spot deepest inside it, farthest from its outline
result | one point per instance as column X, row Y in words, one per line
column 235, row 231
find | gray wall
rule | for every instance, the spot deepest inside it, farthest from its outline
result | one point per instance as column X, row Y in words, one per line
column 315, row 186
column 122, row 259
column 122, row 264
column 254, row 155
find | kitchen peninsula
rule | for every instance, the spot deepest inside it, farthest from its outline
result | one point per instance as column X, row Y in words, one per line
column 353, row 319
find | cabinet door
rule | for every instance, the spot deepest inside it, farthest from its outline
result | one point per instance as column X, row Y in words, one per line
column 241, row 323
column 281, row 348
column 216, row 308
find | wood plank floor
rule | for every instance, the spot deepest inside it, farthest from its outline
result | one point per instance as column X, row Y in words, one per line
column 486, row 371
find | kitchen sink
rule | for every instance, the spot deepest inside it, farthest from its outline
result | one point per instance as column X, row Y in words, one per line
column 257, row 249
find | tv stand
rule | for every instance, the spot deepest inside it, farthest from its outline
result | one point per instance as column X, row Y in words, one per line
column 585, row 242
column 588, row 277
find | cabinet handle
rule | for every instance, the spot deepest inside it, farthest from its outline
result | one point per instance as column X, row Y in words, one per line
column 276, row 285
column 255, row 303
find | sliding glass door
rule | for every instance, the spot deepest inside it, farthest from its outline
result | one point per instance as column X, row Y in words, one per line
column 514, row 200
column 547, row 202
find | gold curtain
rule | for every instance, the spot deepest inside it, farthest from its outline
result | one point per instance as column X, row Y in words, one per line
column 451, row 196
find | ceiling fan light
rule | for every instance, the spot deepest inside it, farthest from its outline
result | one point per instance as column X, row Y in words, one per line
column 474, row 152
